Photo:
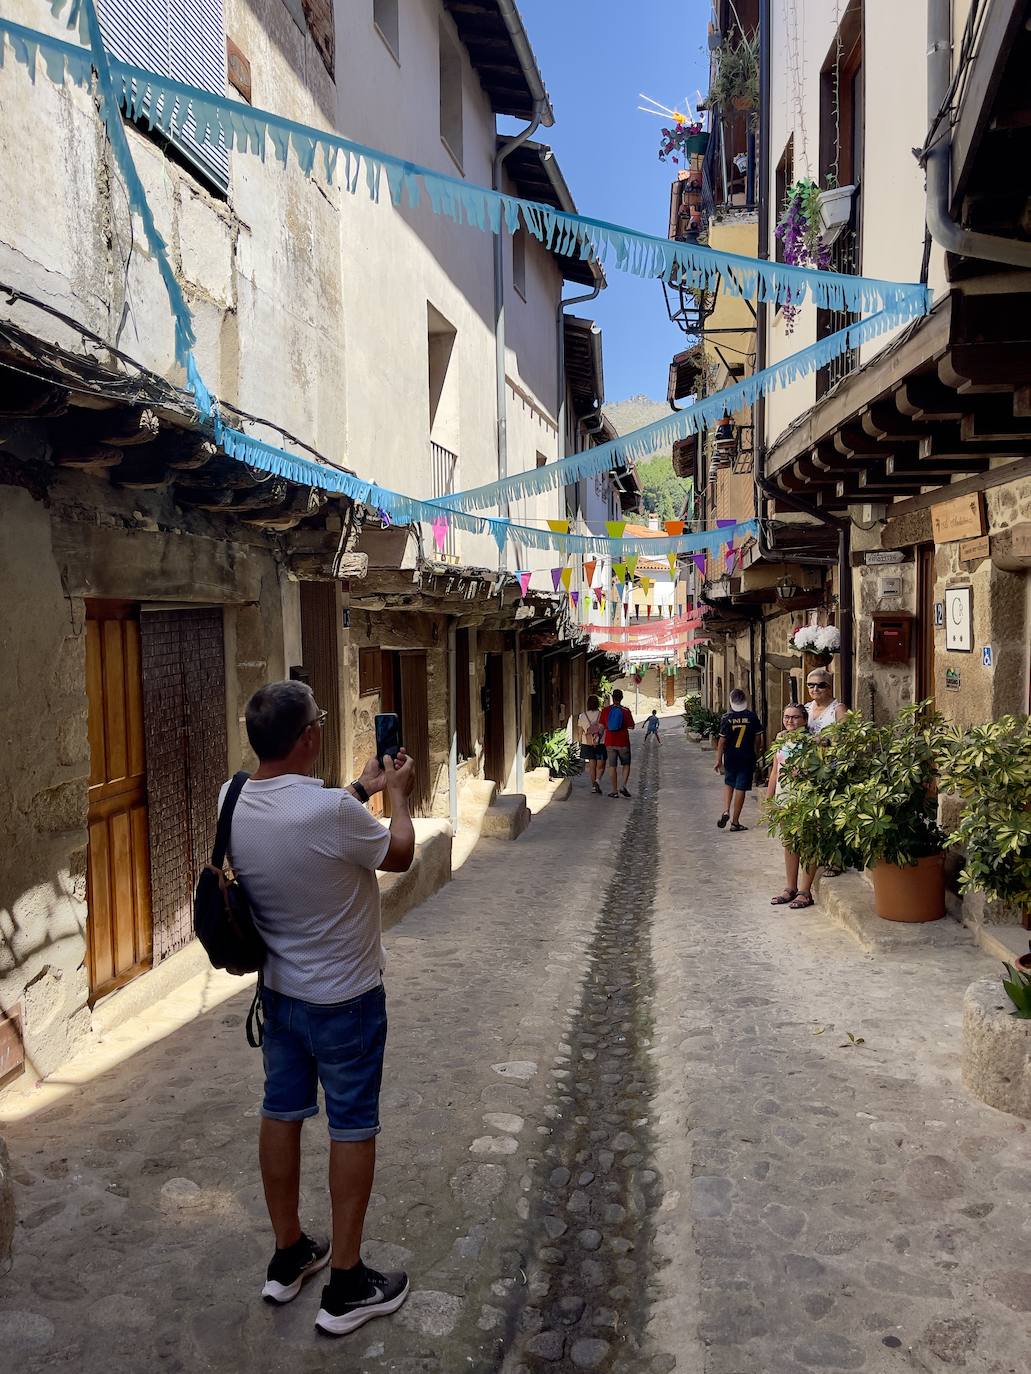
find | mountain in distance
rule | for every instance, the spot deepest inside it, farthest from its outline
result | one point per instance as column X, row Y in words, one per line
column 662, row 492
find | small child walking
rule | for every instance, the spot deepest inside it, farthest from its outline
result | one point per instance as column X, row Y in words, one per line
column 651, row 730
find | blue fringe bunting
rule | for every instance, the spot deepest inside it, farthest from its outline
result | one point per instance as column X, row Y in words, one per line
column 167, row 104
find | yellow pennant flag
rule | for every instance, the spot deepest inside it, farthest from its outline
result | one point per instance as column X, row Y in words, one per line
column 631, row 564
column 671, row 558
column 567, row 577
column 619, row 571
column 615, row 528
column 558, row 526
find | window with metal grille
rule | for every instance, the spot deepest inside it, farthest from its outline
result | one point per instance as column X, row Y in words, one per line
column 519, row 261
column 184, row 39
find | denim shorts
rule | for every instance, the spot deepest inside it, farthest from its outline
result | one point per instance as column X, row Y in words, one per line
column 592, row 753
column 619, row 755
column 739, row 778
column 339, row 1045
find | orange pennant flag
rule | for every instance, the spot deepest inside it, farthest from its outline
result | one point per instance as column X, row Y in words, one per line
column 674, row 528
column 589, row 566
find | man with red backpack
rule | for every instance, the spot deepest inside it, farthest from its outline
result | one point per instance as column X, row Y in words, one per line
column 618, row 723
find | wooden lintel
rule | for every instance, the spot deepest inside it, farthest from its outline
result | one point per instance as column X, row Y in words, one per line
column 983, row 368
column 928, row 399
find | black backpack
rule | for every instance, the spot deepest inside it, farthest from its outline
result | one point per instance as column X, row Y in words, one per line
column 222, row 915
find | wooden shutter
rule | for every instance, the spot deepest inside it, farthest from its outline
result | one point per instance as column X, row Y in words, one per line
column 320, row 651
column 415, row 724
column 463, row 694
column 184, row 39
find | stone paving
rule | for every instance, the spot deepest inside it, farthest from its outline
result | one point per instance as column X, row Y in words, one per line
column 625, row 1129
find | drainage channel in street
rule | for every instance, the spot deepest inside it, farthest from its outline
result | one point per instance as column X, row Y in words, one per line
column 588, row 1238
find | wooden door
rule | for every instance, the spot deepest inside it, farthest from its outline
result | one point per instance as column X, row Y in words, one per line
column 415, row 725
column 320, row 650
column 671, row 689
column 494, row 723
column 118, row 923
column 925, row 623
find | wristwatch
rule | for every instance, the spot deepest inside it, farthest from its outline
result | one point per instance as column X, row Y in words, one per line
column 360, row 792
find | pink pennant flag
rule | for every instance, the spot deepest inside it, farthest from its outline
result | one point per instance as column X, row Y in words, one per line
column 440, row 529
column 556, row 577
column 524, row 582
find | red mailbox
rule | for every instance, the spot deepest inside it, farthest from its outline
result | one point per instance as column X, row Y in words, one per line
column 892, row 636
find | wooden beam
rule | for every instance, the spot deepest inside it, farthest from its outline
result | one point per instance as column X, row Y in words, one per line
column 926, row 398
column 949, row 445
column 937, row 466
column 996, row 422
column 995, row 477
column 998, row 38
column 979, row 368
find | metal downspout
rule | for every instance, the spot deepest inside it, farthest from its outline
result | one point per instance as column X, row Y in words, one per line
column 540, row 107
column 561, row 357
column 938, row 158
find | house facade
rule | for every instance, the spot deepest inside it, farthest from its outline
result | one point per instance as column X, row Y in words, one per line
column 154, row 582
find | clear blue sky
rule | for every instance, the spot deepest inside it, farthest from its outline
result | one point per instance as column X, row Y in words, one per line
column 595, row 56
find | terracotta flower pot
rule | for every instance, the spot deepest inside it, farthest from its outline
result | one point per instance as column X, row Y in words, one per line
column 916, row 893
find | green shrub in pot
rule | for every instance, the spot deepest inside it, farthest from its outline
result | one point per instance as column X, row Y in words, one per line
column 860, row 794
column 552, row 750
column 989, row 766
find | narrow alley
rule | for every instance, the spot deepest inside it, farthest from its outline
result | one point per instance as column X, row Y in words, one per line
column 625, row 1128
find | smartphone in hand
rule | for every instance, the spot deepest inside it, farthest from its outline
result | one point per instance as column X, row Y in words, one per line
column 388, row 736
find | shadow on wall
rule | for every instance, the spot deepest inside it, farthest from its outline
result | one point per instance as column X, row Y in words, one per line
column 47, row 920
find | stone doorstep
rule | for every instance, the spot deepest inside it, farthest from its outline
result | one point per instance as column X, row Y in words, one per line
column 507, row 818
column 996, row 1049
column 848, row 901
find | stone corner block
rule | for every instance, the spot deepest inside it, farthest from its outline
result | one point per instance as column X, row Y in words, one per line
column 996, row 1049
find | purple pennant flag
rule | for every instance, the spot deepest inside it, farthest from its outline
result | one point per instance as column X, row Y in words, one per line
column 722, row 524
column 699, row 562
column 574, row 598
column 556, row 577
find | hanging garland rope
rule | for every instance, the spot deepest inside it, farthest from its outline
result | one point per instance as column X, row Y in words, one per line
column 166, row 104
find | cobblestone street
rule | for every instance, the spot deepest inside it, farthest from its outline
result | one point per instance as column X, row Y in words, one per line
column 625, row 1129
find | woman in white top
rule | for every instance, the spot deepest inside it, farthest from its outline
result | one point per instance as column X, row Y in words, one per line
column 592, row 748
column 824, row 709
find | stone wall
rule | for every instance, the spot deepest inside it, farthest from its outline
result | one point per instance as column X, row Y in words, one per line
column 91, row 540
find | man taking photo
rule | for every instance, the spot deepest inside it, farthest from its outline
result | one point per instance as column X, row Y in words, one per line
column 307, row 857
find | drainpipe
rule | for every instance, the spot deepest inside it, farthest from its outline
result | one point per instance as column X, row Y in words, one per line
column 540, row 110
column 560, row 327
column 520, row 781
column 937, row 159
column 452, row 720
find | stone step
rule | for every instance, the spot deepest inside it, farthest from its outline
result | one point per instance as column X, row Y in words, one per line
column 507, row 818
column 848, row 900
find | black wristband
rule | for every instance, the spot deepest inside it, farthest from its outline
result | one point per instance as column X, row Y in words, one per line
column 359, row 792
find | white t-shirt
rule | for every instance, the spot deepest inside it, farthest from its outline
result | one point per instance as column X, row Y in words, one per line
column 307, row 856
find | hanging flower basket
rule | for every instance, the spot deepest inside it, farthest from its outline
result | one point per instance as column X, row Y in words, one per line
column 835, row 211
column 800, row 233
column 679, row 142
column 818, row 640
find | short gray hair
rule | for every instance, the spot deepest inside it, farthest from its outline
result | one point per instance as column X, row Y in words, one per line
column 276, row 716
column 738, row 698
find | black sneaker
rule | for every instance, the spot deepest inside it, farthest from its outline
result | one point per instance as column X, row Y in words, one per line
column 380, row 1295
column 623, row 792
column 290, row 1267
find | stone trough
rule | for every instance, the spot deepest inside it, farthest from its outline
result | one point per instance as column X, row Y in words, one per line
column 996, row 1049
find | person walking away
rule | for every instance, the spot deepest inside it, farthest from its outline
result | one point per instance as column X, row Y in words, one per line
column 740, row 740
column 824, row 709
column 618, row 723
column 592, row 748
column 798, row 892
column 651, row 730
column 307, row 857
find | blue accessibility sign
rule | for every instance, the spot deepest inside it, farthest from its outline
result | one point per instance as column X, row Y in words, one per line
column 986, row 655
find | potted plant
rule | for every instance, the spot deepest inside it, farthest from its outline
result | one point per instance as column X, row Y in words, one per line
column 989, row 766
column 835, row 209
column 735, row 81
column 551, row 749
column 865, row 796
column 819, row 641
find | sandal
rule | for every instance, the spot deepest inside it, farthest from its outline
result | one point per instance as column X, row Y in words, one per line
column 803, row 900
column 736, row 826
column 786, row 897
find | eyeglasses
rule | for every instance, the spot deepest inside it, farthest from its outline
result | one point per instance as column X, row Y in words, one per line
column 320, row 719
